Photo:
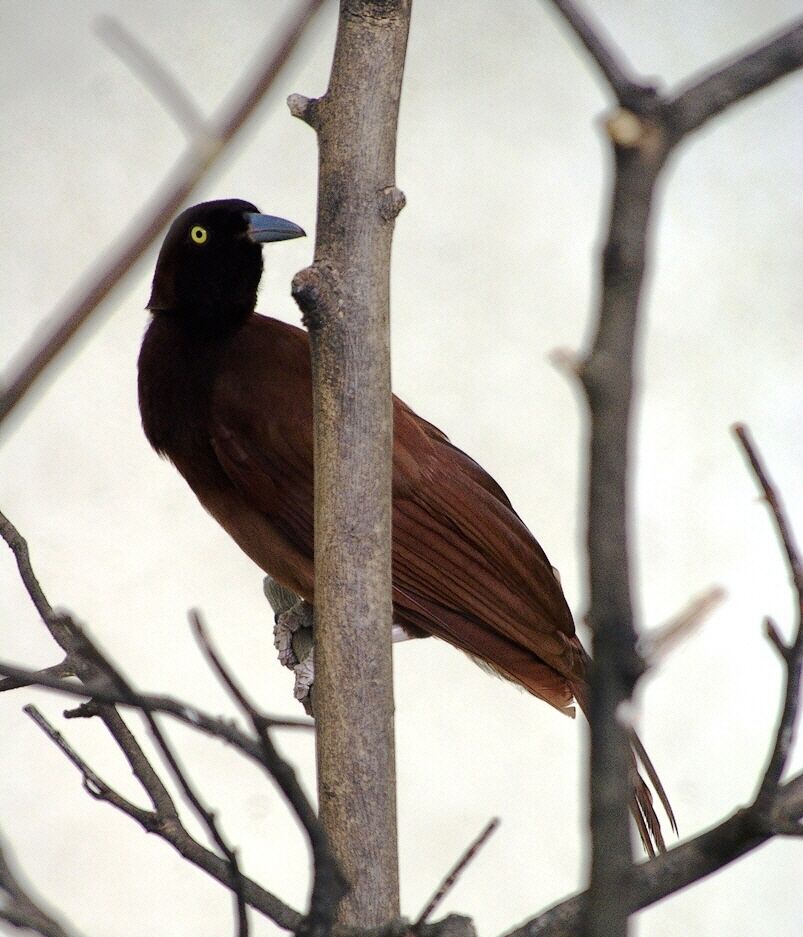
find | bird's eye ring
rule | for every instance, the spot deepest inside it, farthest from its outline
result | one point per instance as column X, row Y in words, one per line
column 198, row 234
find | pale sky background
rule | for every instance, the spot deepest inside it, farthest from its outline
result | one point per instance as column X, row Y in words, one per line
column 504, row 166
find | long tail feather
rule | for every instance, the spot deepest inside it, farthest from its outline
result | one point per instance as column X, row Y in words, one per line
column 641, row 800
column 652, row 774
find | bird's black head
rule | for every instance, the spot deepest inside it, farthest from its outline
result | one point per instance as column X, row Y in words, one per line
column 210, row 263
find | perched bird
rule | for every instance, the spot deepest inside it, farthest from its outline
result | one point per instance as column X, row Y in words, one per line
column 226, row 395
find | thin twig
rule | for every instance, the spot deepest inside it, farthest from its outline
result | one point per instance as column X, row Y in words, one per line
column 30, row 678
column 449, row 881
column 215, row 726
column 656, row 643
column 627, row 89
column 109, row 271
column 19, row 909
column 328, row 885
column 164, row 822
column 774, row 501
column 793, row 653
column 19, row 547
column 153, row 74
column 673, row 870
column 94, row 670
column 204, row 814
column 734, row 80
column 93, row 784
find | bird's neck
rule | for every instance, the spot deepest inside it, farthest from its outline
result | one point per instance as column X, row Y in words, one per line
column 178, row 367
column 208, row 322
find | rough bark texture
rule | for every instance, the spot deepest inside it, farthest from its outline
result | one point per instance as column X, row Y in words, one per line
column 344, row 298
column 608, row 379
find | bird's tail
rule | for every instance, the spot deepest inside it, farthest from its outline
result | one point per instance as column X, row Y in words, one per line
column 641, row 803
column 642, row 808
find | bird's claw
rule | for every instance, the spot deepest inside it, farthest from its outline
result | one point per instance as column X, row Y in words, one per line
column 287, row 624
column 305, row 677
column 292, row 638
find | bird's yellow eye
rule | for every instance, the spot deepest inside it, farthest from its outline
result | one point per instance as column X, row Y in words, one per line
column 198, row 234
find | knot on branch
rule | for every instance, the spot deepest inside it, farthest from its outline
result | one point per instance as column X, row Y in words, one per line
column 376, row 12
column 316, row 290
column 455, row 925
column 629, row 131
column 391, row 202
column 305, row 109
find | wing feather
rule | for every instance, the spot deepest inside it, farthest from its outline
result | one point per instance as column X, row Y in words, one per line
column 465, row 567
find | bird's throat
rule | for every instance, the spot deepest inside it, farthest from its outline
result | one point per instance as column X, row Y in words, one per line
column 178, row 367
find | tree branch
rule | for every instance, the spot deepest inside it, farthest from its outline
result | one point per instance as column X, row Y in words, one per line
column 190, row 715
column 607, row 378
column 673, row 870
column 93, row 784
column 449, row 882
column 164, row 822
column 167, row 90
column 629, row 92
column 344, row 300
column 777, row 809
column 17, row 677
column 102, row 678
column 109, row 271
column 643, row 134
column 329, row 886
column 793, row 654
column 19, row 909
column 733, row 81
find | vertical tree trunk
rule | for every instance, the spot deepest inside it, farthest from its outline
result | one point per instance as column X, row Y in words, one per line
column 608, row 379
column 344, row 298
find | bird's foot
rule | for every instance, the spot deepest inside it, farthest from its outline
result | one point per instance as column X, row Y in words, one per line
column 305, row 677
column 286, row 638
column 292, row 638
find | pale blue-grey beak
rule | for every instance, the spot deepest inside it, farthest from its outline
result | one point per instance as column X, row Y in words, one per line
column 265, row 228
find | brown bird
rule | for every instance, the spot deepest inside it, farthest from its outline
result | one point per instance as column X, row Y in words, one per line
column 226, row 395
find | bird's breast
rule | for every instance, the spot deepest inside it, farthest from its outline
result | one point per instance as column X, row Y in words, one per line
column 177, row 373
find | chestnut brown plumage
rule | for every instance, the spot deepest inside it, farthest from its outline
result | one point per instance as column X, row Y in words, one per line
column 226, row 395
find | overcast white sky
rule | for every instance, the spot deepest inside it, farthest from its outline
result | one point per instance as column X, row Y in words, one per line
column 504, row 166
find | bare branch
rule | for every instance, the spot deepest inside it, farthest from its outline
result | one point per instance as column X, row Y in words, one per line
column 153, row 74
column 776, row 810
column 448, row 883
column 681, row 866
column 94, row 785
column 164, row 822
column 774, row 501
column 31, row 678
column 772, row 632
column 19, row 548
column 643, row 134
column 607, row 378
column 19, row 909
column 92, row 653
column 353, row 424
column 627, row 90
column 657, row 643
column 101, row 677
column 732, row 82
column 793, row 654
column 329, row 885
column 111, row 268
column 190, row 715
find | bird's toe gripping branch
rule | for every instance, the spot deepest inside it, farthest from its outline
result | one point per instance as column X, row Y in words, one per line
column 292, row 637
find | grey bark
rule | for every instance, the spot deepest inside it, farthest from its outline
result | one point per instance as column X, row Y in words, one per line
column 344, row 299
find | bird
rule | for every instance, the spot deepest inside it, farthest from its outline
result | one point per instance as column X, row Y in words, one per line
column 225, row 394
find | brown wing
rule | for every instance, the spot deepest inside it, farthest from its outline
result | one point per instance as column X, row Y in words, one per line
column 261, row 432
column 467, row 569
